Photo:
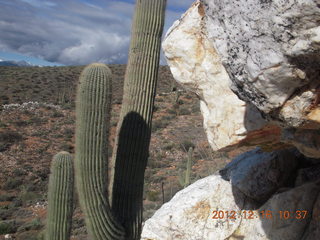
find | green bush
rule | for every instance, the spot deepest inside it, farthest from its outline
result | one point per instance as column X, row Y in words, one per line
column 7, row 138
column 184, row 111
column 186, row 144
column 35, row 224
column 8, row 227
column 152, row 196
column 12, row 183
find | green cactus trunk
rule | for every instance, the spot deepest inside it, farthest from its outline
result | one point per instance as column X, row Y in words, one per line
column 92, row 122
column 60, row 198
column 131, row 150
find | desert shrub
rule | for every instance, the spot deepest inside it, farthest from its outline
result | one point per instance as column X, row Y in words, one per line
column 35, row 224
column 6, row 213
column 168, row 146
column 8, row 227
column 171, row 111
column 26, row 197
column 180, row 102
column 68, row 132
column 195, row 108
column 12, row 183
column 184, row 111
column 6, row 197
column 7, row 138
column 152, row 195
column 67, row 147
column 186, row 144
column 3, row 125
column 18, row 172
column 154, row 162
column 78, row 223
column 56, row 114
column 160, row 99
column 157, row 125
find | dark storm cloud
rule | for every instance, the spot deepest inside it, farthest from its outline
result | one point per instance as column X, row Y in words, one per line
column 71, row 32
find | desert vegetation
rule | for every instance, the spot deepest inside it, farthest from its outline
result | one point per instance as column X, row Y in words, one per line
column 32, row 133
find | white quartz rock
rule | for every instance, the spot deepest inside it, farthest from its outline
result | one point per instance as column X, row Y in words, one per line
column 189, row 213
column 255, row 65
column 195, row 63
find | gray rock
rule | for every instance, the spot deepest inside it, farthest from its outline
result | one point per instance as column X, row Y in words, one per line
column 306, row 175
column 189, row 215
column 306, row 140
column 259, row 174
column 313, row 230
column 269, row 48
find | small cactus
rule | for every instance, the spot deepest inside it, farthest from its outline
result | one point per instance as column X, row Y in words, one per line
column 189, row 166
column 60, row 198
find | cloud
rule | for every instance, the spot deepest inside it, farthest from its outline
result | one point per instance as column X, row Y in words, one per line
column 72, row 32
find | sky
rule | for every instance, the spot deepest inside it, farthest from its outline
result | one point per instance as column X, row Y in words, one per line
column 72, row 32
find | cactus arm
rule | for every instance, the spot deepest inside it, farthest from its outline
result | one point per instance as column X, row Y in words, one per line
column 92, row 122
column 131, row 148
column 60, row 198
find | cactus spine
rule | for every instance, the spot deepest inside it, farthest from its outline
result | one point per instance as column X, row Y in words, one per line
column 60, row 198
column 92, row 122
column 130, row 153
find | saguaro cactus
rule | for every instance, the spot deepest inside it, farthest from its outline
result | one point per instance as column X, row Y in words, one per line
column 60, row 198
column 131, row 150
column 123, row 220
column 92, row 122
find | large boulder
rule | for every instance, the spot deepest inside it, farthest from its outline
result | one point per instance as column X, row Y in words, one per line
column 255, row 66
column 220, row 208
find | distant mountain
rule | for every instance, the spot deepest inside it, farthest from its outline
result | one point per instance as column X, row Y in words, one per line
column 15, row 63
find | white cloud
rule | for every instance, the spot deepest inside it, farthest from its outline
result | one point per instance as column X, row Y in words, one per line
column 72, row 31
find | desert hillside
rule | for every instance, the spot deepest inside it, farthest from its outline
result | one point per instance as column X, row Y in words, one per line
column 37, row 120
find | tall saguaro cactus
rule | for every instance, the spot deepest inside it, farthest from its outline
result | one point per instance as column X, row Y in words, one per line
column 60, row 198
column 121, row 216
column 92, row 122
column 130, row 153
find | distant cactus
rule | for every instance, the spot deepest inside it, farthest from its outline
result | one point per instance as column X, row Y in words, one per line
column 121, row 216
column 60, row 198
column 185, row 176
column 189, row 166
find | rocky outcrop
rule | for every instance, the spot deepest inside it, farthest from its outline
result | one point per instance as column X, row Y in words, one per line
column 221, row 207
column 255, row 67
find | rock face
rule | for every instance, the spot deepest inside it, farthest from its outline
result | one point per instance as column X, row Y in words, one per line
column 221, row 207
column 259, row 174
column 254, row 65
